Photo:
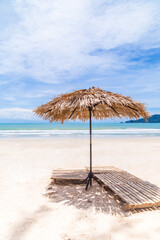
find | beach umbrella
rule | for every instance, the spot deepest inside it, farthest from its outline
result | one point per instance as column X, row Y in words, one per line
column 91, row 103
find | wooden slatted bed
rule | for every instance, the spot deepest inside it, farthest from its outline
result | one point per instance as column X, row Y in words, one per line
column 68, row 176
column 134, row 192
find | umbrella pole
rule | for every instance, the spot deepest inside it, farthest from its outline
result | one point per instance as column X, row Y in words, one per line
column 90, row 125
column 90, row 175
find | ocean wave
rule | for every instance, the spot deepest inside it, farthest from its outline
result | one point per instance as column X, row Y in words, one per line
column 127, row 131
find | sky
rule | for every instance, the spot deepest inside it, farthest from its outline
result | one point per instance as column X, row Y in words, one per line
column 49, row 47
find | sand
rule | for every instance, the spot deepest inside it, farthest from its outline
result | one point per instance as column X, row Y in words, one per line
column 25, row 169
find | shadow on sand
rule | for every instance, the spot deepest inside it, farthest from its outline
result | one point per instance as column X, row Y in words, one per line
column 95, row 197
column 21, row 228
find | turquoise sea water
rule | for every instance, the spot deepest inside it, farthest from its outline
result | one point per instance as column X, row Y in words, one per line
column 12, row 130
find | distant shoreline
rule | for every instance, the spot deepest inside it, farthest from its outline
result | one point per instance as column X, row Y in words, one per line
column 153, row 119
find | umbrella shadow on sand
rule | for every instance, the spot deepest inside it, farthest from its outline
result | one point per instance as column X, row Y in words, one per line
column 96, row 198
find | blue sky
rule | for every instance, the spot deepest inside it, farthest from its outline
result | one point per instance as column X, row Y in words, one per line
column 49, row 47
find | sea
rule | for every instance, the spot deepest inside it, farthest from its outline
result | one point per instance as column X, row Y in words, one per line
column 72, row 129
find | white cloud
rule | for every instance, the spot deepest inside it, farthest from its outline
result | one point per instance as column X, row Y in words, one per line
column 53, row 39
column 17, row 113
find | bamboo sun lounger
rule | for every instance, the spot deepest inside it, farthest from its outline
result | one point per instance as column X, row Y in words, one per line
column 134, row 192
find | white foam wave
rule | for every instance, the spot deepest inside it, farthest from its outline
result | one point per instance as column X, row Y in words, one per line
column 129, row 131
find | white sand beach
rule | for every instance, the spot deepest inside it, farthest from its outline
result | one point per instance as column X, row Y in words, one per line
column 25, row 169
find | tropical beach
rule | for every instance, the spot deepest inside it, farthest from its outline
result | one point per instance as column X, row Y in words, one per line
column 26, row 167
column 79, row 120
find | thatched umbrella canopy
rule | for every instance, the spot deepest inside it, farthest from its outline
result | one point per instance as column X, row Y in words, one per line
column 87, row 103
column 103, row 104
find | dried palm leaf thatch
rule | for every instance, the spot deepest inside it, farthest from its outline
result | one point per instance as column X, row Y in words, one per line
column 103, row 104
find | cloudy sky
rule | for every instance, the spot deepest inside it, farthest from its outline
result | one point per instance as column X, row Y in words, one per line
column 48, row 47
